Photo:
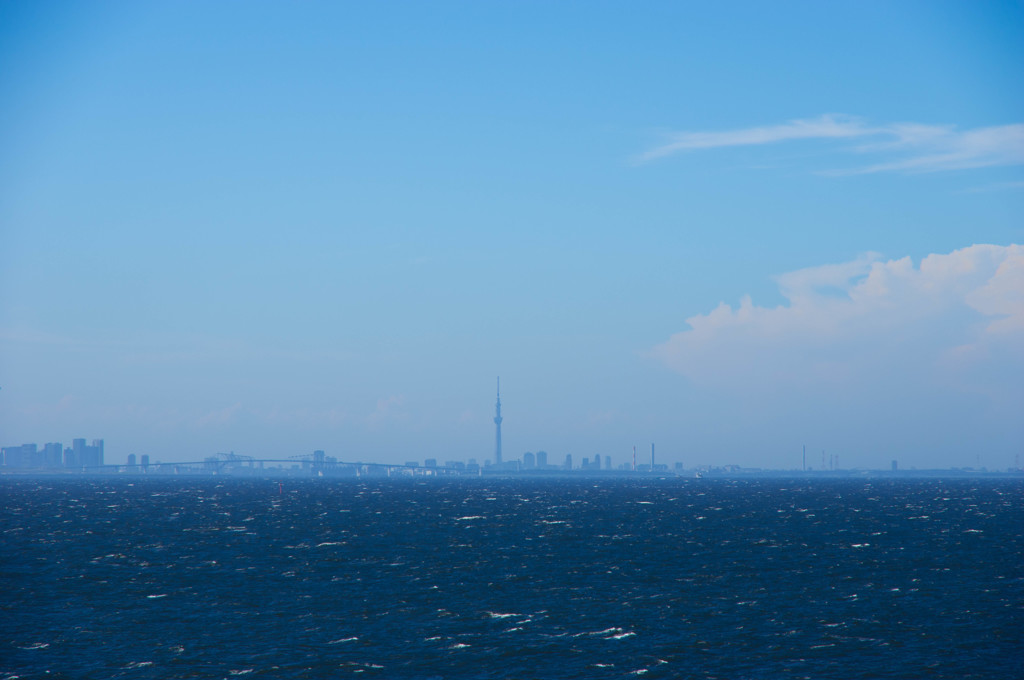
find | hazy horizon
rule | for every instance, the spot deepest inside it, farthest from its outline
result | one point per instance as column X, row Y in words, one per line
column 733, row 230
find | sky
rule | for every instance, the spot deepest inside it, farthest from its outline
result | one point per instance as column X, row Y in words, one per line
column 732, row 229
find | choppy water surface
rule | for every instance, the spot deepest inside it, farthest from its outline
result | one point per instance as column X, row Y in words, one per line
column 511, row 579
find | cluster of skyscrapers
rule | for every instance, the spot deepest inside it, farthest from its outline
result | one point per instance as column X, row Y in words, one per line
column 53, row 455
column 134, row 466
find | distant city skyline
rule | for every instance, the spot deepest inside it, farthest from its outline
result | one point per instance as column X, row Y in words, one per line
column 732, row 229
column 80, row 458
column 53, row 455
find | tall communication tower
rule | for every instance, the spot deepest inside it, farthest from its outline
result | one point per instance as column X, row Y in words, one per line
column 497, row 427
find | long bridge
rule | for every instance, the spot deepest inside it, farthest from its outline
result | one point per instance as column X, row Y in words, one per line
column 315, row 466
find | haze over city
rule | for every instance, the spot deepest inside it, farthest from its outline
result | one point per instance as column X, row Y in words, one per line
column 734, row 230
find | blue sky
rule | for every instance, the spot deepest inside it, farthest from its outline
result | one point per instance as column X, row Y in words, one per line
column 271, row 227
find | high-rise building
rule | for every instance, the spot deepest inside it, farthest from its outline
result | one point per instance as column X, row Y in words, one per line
column 52, row 454
column 78, row 452
column 19, row 456
column 91, row 456
column 568, row 461
column 529, row 461
column 81, row 455
column 497, row 427
column 145, row 462
column 542, row 459
column 31, row 456
column 131, row 462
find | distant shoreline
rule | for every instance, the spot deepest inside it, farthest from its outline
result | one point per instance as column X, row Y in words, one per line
column 110, row 472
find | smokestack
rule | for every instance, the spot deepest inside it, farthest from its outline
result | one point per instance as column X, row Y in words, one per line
column 652, row 456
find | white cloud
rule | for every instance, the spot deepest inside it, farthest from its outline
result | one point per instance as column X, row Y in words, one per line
column 388, row 409
column 824, row 127
column 946, row 149
column 954, row 322
column 903, row 147
column 220, row 417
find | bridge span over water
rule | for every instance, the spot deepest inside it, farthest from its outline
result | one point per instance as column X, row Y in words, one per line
column 245, row 465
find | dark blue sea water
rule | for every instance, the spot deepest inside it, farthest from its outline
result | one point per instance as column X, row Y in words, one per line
column 575, row 578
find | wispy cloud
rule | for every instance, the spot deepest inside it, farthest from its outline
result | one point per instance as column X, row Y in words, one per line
column 825, row 127
column 896, row 147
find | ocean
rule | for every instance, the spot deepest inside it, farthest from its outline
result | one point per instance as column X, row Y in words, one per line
column 205, row 577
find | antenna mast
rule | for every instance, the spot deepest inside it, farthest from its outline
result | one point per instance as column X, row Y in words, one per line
column 497, row 427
